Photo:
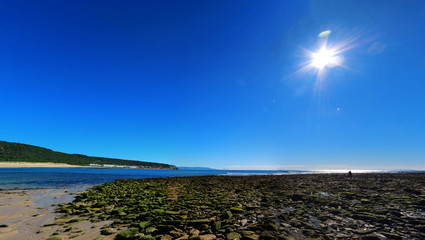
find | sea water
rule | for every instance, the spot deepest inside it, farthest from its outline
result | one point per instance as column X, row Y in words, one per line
column 32, row 178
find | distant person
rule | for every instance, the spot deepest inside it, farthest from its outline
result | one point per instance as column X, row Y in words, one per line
column 350, row 174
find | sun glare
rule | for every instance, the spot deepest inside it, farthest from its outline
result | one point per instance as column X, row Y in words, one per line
column 323, row 58
column 328, row 54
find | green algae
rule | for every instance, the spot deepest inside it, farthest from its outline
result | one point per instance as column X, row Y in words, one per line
column 55, row 223
column 233, row 236
column 258, row 207
column 53, row 238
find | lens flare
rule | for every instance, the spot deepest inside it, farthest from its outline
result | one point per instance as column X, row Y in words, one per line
column 324, row 34
column 328, row 54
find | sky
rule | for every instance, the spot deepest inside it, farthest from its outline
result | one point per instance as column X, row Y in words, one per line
column 221, row 84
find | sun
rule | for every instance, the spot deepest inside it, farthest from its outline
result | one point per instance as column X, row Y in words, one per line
column 328, row 55
column 324, row 58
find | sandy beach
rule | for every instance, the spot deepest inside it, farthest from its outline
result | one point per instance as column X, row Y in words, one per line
column 39, row 165
column 50, row 165
column 28, row 214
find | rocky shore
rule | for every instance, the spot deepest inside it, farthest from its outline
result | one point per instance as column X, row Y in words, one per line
column 311, row 206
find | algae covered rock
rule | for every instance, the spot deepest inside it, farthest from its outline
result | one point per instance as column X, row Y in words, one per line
column 266, row 235
column 128, row 234
column 145, row 224
column 236, row 210
column 207, row 237
column 233, row 236
column 108, row 231
column 53, row 238
column 260, row 207
column 228, row 215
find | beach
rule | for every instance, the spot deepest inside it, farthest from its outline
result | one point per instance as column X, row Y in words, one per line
column 28, row 214
column 23, row 212
column 39, row 165
column 54, row 165
column 305, row 206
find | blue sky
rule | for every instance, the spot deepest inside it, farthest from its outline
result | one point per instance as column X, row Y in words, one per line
column 217, row 83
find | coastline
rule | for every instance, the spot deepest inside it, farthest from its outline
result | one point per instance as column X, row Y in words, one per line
column 362, row 206
column 39, row 165
column 54, row 165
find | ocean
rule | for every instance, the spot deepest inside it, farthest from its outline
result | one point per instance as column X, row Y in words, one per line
column 35, row 178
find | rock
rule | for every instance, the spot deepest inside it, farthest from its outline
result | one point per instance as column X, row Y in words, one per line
column 175, row 233
column 166, row 237
column 172, row 212
column 295, row 223
column 297, row 197
column 373, row 236
column 289, row 238
column 362, row 231
column 145, row 224
column 199, row 222
column 127, row 234
column 108, row 231
column 244, row 222
column 233, row 236
column 266, row 235
column 150, row 230
column 421, row 228
column 204, row 227
column 249, row 235
column 236, row 210
column 228, row 215
column 184, row 237
column 165, row 228
column 194, row 232
column 272, row 227
column 207, row 237
column 217, row 226
column 308, row 232
column 250, row 207
column 147, row 237
column 393, row 236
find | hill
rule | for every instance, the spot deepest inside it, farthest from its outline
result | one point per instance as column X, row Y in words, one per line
column 17, row 152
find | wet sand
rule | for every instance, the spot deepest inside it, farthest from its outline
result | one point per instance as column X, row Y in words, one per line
column 26, row 212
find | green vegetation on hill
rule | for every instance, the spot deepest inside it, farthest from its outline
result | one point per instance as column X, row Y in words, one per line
column 17, row 152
